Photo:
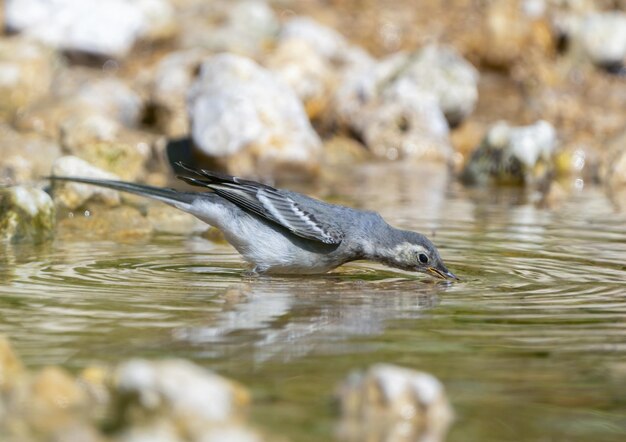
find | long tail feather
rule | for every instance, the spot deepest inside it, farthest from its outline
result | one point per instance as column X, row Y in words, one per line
column 169, row 196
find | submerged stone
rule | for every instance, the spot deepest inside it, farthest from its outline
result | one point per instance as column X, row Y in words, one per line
column 26, row 213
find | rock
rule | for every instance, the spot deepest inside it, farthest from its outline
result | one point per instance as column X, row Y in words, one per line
column 252, row 123
column 393, row 403
column 26, row 71
column 107, row 29
column 603, row 37
column 405, row 122
column 11, row 367
column 510, row 32
column 26, row 213
column 73, row 195
column 309, row 74
column 111, row 97
column 25, row 157
column 172, row 79
column 453, row 80
column 245, row 27
column 323, row 40
column 395, row 105
column 101, row 141
column 183, row 393
column 395, row 118
column 171, row 221
column 86, row 94
column 512, row 155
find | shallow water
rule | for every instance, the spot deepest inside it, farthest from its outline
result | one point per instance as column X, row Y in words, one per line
column 531, row 345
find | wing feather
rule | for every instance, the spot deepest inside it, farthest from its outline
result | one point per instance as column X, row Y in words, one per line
column 265, row 201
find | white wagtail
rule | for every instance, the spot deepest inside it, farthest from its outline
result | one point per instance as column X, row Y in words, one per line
column 284, row 232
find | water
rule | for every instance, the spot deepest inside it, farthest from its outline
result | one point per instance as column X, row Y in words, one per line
column 531, row 345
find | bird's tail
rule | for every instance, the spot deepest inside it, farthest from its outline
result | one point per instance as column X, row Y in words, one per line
column 182, row 200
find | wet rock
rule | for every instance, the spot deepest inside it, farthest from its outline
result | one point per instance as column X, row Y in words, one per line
column 101, row 141
column 107, row 29
column 249, row 121
column 26, row 71
column 393, row 403
column 172, row 79
column 171, row 221
column 603, row 37
column 25, row 157
column 512, row 155
column 74, row 195
column 179, row 391
column 26, row 213
column 123, row 223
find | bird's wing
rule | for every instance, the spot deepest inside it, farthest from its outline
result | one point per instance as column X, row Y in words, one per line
column 265, row 201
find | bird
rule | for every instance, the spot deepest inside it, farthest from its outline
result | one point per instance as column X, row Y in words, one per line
column 283, row 232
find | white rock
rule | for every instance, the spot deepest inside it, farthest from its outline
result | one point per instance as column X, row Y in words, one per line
column 173, row 76
column 183, row 391
column 238, row 107
column 443, row 72
column 529, row 144
column 510, row 155
column 603, row 37
column 105, row 28
column 111, row 97
column 73, row 195
column 395, row 116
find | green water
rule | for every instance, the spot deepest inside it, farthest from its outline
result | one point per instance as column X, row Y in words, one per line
column 531, row 345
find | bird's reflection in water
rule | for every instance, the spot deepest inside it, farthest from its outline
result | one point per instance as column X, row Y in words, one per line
column 285, row 318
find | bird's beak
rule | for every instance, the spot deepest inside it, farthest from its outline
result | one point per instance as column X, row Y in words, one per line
column 442, row 273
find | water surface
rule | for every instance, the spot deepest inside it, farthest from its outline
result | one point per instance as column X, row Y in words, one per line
column 531, row 345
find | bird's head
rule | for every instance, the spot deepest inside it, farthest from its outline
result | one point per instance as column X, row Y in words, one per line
column 414, row 252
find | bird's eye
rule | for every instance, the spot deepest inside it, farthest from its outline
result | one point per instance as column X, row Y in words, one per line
column 423, row 258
